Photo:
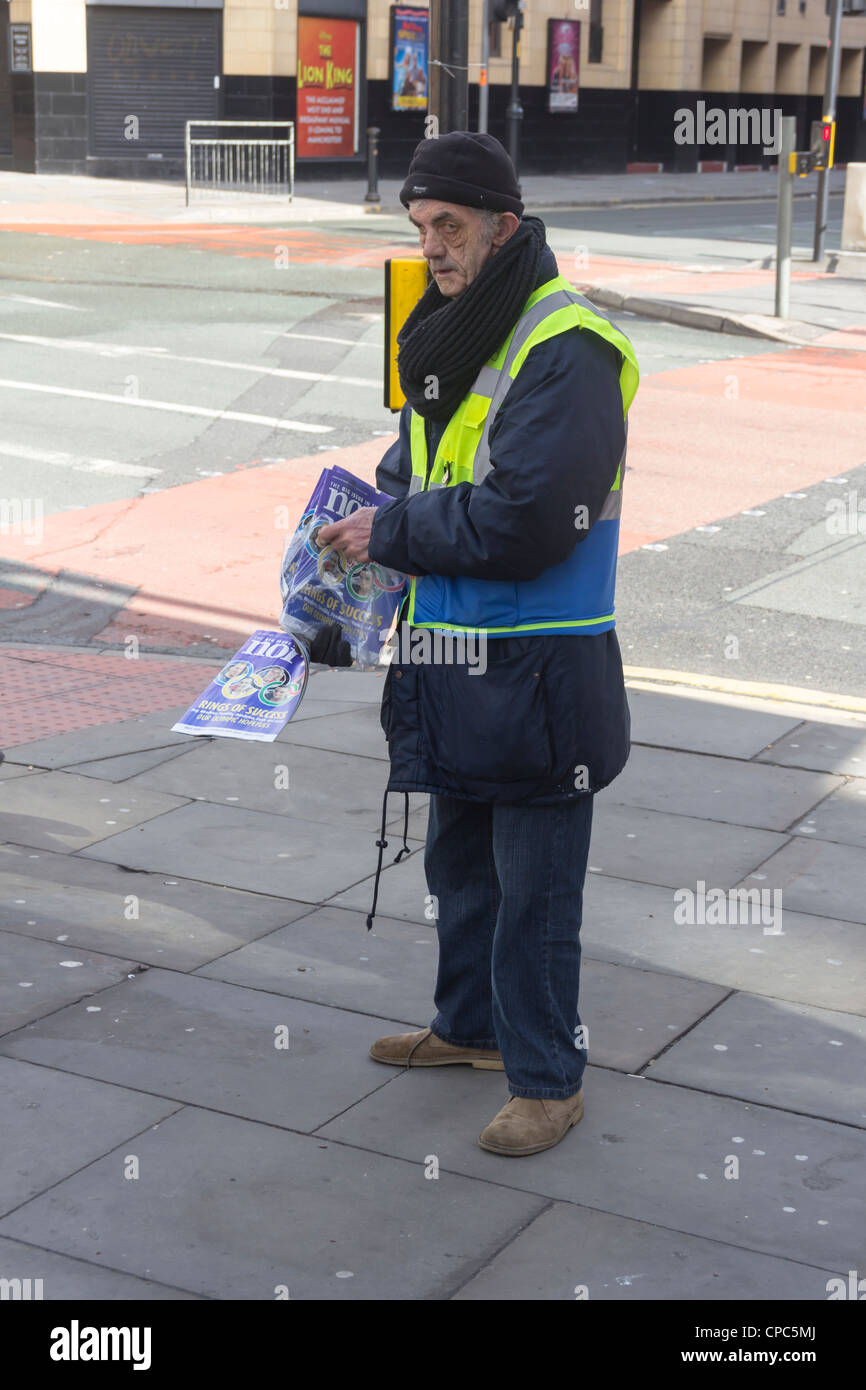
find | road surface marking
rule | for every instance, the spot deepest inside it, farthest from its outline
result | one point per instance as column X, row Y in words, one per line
column 118, row 350
column 240, row 415
column 47, row 303
column 77, row 462
column 321, row 338
column 759, row 690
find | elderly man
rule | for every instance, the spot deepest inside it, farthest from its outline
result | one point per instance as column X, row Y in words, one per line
column 507, row 482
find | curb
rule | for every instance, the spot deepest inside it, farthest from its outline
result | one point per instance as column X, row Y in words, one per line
column 792, row 331
column 648, row 676
column 635, row 200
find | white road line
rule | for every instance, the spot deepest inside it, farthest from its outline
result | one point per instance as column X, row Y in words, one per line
column 48, row 303
column 271, row 420
column 321, row 338
column 109, row 350
column 77, row 462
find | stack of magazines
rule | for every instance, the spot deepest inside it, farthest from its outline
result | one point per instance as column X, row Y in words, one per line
column 319, row 588
column 260, row 688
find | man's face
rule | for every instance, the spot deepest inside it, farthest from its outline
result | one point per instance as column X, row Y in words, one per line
column 456, row 241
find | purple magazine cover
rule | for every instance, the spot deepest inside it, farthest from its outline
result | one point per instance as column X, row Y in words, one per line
column 255, row 694
column 318, row 585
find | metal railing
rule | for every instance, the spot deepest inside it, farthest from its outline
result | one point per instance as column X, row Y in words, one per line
column 249, row 164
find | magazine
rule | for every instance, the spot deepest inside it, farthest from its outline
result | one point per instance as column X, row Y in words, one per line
column 255, row 694
column 320, row 588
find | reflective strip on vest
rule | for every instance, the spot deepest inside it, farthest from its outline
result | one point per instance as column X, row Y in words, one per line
column 501, row 377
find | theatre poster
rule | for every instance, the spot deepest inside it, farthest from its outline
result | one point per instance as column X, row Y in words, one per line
column 329, row 55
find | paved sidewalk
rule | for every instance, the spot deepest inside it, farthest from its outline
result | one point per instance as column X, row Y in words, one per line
column 827, row 309
column 79, row 198
column 188, row 1106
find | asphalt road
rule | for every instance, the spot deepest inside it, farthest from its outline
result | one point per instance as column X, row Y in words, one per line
column 127, row 369
column 745, row 220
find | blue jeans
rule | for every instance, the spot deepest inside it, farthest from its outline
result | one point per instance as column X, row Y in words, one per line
column 509, row 885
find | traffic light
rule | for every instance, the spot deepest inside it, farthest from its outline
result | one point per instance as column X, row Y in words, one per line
column 406, row 279
column 503, row 10
column 821, row 143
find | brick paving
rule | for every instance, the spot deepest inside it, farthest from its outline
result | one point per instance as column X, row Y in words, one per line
column 45, row 692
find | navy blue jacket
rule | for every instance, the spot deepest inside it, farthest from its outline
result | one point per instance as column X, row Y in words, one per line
column 545, row 706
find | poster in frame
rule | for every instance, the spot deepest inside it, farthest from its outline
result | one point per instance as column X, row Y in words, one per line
column 563, row 64
column 410, row 57
column 329, row 65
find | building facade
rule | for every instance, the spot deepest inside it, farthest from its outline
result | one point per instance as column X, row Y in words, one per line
column 105, row 88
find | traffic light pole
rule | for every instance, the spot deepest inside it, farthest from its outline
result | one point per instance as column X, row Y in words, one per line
column 829, row 114
column 784, row 218
column 449, row 65
column 514, row 110
column 484, row 77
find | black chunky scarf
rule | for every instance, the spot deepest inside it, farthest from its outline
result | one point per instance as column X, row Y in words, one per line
column 451, row 339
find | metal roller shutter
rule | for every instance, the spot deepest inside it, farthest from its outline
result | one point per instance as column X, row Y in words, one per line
column 156, row 64
column 5, row 85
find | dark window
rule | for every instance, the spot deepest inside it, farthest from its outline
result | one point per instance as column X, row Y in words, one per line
column 596, row 31
column 780, row 6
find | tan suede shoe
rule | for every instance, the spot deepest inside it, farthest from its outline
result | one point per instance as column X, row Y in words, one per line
column 525, row 1126
column 424, row 1049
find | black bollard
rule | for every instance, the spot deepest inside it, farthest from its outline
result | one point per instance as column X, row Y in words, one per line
column 372, row 194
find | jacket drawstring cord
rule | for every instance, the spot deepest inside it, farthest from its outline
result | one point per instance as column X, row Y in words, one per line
column 405, row 849
column 382, row 844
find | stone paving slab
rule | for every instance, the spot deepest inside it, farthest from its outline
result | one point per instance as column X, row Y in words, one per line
column 75, row 1279
column 102, row 741
column 332, row 788
column 812, row 1061
column 571, row 1252
column 179, row 922
column 346, row 685
column 282, row 855
column 329, row 958
column 312, row 707
column 631, row 1014
column 61, row 810
column 53, row 1123
column 838, row 747
column 402, row 887
column 842, row 817
column 718, row 789
column 820, row 877
column 9, row 772
column 815, row 961
column 40, row 976
column 646, row 1150
column 214, row 1044
column 702, row 725
column 259, row 1208
column 673, row 850
column 124, row 766
column 354, row 732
